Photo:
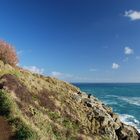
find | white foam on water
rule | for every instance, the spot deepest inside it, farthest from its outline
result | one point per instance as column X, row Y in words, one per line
column 131, row 100
column 130, row 120
column 125, row 118
column 109, row 102
column 112, row 96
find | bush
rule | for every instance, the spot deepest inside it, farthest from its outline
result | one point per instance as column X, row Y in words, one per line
column 8, row 54
column 5, row 104
column 23, row 132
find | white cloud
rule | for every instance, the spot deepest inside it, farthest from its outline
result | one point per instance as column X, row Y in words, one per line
column 128, row 51
column 61, row 75
column 115, row 66
column 34, row 69
column 69, row 77
column 133, row 15
column 56, row 74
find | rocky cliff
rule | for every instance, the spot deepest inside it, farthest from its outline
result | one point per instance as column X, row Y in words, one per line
column 37, row 107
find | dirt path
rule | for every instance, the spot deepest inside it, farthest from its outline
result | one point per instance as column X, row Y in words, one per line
column 5, row 130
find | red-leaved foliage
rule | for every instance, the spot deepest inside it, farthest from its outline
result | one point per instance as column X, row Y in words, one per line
column 8, row 53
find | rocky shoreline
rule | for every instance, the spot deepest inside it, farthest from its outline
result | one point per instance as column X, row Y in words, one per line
column 103, row 120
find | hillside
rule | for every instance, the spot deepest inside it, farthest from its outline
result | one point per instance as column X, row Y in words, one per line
column 35, row 107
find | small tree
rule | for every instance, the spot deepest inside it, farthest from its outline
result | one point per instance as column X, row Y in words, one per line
column 8, row 54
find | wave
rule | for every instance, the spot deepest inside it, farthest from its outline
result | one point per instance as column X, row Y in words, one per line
column 109, row 102
column 115, row 96
column 130, row 120
column 130, row 100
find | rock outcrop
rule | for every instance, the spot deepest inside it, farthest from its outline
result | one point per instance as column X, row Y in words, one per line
column 102, row 121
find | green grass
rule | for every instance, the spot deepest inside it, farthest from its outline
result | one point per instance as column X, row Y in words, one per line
column 23, row 131
column 7, row 107
column 70, row 125
column 5, row 104
column 53, row 115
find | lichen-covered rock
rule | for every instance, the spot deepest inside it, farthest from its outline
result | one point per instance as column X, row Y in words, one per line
column 101, row 121
column 126, row 132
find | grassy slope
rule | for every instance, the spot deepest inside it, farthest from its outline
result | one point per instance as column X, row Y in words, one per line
column 44, row 108
column 41, row 105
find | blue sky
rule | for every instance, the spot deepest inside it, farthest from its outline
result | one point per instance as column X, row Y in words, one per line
column 75, row 40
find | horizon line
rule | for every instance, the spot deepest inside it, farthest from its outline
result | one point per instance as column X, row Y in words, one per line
column 104, row 82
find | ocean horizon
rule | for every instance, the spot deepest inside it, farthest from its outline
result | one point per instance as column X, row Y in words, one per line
column 124, row 98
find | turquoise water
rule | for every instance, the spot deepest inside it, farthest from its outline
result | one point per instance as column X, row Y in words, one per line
column 123, row 98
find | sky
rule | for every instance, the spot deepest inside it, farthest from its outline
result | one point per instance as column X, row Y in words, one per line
column 75, row 40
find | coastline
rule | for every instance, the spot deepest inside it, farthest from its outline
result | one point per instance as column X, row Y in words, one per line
column 115, row 96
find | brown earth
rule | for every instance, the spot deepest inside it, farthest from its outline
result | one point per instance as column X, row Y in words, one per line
column 5, row 130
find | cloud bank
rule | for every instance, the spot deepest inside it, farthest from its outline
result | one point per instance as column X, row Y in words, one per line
column 34, row 69
column 61, row 75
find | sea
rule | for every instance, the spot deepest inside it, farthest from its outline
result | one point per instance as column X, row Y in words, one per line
column 124, row 98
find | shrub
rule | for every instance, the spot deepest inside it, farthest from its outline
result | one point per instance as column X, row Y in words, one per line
column 5, row 104
column 23, row 132
column 8, row 54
